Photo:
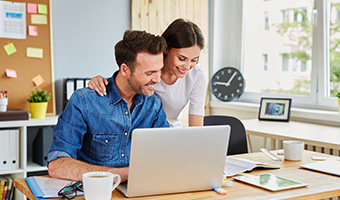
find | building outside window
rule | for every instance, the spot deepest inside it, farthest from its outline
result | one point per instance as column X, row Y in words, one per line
column 303, row 45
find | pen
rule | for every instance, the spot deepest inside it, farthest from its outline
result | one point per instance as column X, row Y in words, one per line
column 220, row 190
column 3, row 94
column 270, row 155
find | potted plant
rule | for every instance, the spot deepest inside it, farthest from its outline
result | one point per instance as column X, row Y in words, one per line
column 38, row 101
column 338, row 95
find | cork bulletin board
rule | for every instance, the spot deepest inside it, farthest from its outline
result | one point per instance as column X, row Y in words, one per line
column 32, row 57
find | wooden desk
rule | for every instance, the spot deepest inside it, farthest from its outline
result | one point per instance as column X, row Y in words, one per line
column 320, row 185
column 312, row 134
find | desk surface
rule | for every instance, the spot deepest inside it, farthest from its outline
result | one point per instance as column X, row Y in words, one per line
column 313, row 134
column 320, row 186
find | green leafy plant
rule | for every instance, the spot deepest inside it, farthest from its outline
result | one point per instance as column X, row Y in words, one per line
column 338, row 95
column 39, row 96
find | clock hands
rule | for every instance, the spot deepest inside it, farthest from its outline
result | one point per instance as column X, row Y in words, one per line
column 231, row 78
column 221, row 83
column 226, row 83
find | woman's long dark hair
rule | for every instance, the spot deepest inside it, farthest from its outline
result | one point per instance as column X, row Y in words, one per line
column 182, row 34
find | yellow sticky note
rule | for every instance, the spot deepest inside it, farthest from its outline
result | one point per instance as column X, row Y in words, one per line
column 38, row 80
column 42, row 8
column 10, row 48
column 34, row 52
column 38, row 19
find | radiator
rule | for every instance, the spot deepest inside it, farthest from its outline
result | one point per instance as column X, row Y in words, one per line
column 335, row 152
column 277, row 144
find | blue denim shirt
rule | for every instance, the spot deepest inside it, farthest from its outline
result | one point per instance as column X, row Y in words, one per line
column 97, row 129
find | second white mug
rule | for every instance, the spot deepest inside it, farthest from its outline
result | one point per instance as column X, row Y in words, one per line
column 293, row 150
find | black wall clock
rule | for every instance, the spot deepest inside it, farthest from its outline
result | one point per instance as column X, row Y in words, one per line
column 227, row 84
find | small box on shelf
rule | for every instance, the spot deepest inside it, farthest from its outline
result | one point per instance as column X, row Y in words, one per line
column 14, row 115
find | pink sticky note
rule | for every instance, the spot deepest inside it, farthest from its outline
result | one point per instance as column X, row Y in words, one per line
column 33, row 30
column 11, row 73
column 31, row 7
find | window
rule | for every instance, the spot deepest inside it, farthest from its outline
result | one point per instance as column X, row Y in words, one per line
column 304, row 50
column 334, row 48
column 266, row 21
column 285, row 61
column 265, row 62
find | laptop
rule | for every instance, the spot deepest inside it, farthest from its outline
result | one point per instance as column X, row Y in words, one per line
column 331, row 166
column 175, row 160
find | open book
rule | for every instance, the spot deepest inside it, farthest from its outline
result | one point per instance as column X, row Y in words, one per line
column 235, row 166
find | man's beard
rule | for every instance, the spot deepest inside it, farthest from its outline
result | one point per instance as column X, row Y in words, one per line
column 139, row 88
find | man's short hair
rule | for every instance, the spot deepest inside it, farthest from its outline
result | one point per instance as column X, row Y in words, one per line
column 135, row 42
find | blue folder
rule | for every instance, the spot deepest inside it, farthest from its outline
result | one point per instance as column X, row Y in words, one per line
column 46, row 187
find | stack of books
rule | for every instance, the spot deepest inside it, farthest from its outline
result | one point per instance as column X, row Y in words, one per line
column 6, row 188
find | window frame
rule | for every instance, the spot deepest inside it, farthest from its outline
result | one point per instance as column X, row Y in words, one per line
column 320, row 71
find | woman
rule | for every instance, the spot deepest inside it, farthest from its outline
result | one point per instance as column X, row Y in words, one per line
column 181, row 78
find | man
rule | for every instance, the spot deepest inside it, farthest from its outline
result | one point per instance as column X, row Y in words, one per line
column 94, row 132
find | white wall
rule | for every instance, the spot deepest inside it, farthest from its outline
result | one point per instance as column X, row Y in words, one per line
column 225, row 34
column 84, row 34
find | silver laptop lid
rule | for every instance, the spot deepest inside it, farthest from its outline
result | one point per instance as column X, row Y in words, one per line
column 173, row 160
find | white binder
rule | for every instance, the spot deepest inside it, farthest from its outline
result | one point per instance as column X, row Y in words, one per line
column 9, row 149
column 69, row 89
column 80, row 84
column 4, row 149
column 14, row 149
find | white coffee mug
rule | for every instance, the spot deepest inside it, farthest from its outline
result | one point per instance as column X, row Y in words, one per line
column 3, row 104
column 99, row 185
column 293, row 150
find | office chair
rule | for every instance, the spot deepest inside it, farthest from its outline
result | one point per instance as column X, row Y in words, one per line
column 238, row 137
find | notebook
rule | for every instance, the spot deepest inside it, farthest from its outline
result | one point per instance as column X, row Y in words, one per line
column 174, row 160
column 331, row 166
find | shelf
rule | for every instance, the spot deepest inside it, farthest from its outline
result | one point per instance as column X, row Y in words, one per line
column 11, row 171
column 27, row 132
column 34, row 167
column 48, row 121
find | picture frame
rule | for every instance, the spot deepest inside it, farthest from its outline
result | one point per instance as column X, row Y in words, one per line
column 275, row 109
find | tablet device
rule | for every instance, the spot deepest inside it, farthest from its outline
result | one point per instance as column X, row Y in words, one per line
column 270, row 181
